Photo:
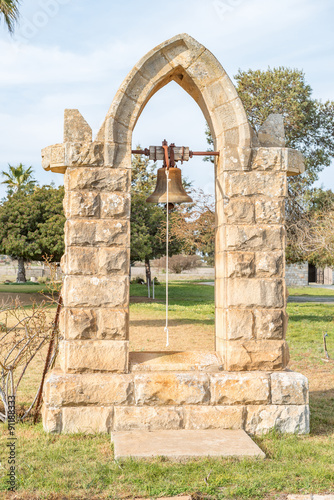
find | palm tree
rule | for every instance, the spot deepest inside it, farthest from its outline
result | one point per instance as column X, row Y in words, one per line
column 10, row 11
column 19, row 178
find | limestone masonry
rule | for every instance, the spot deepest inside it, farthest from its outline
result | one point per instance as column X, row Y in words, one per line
column 101, row 387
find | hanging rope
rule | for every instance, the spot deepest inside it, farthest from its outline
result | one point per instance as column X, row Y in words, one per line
column 167, row 249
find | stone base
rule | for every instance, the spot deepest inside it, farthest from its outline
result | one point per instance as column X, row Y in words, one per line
column 170, row 400
column 184, row 444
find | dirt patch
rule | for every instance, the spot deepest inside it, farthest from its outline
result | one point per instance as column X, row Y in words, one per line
column 26, row 299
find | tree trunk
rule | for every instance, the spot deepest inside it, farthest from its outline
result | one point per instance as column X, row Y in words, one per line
column 148, row 271
column 21, row 272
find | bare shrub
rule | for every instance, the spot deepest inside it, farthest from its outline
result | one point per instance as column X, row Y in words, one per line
column 179, row 263
column 23, row 334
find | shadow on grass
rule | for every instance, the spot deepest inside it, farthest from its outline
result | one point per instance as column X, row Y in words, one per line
column 160, row 323
column 322, row 412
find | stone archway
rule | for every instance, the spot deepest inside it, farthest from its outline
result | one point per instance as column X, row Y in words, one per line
column 94, row 388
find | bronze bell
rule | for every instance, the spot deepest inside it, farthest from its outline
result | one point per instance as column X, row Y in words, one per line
column 176, row 190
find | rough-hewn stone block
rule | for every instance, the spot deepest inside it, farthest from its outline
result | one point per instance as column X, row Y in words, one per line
column 240, row 324
column 269, row 211
column 94, row 324
column 98, row 179
column 240, row 264
column 76, row 129
column 79, row 324
column 289, row 388
column 254, row 293
column 97, row 233
column 267, row 159
column 171, row 388
column 115, row 205
column 81, row 291
column 79, row 154
column 151, row 418
column 269, row 264
column 90, row 420
column 254, row 238
column 239, row 388
column 283, row 418
column 214, row 417
column 112, row 324
column 256, row 355
column 52, row 419
column 82, row 204
column 81, row 260
column 269, row 323
column 113, row 261
column 86, row 389
column 239, row 211
column 255, row 184
column 78, row 356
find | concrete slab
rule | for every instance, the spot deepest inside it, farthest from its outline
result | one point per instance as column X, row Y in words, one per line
column 183, row 444
column 175, row 361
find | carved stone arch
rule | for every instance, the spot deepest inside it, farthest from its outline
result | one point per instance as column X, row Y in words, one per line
column 188, row 63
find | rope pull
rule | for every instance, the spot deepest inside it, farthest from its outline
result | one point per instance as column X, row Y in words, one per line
column 167, row 249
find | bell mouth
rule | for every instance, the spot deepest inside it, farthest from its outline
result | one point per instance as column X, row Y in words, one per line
column 176, row 194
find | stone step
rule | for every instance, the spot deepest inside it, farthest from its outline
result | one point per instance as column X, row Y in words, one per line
column 182, row 444
column 175, row 361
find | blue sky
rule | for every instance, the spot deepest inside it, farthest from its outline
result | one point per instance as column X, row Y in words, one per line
column 76, row 53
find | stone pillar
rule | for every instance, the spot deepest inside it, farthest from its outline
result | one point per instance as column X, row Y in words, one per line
column 250, row 259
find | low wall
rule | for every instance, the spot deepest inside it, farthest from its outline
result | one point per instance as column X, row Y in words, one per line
column 296, row 274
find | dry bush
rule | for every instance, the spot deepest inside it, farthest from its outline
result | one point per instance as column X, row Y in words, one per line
column 23, row 333
column 179, row 263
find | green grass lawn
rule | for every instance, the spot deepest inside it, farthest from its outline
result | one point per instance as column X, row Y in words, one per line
column 78, row 466
column 311, row 290
column 28, row 287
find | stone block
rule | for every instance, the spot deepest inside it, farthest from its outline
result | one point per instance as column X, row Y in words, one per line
column 81, row 291
column 97, row 233
column 254, row 355
column 87, row 389
column 115, row 205
column 271, row 184
column 267, row 159
column 255, row 293
column 289, row 388
column 77, row 356
column 149, row 418
column 98, row 179
column 80, row 324
column 88, row 420
column 270, row 211
column 87, row 154
column 214, row 417
column 294, row 419
column 81, row 260
column 240, row 264
column 270, row 323
column 239, row 211
column 293, row 161
column 271, row 133
column 113, row 261
column 98, row 324
column 112, row 324
column 76, row 129
column 82, row 204
column 171, row 388
column 52, row 419
column 240, row 324
column 240, row 388
column 269, row 264
column 254, row 238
